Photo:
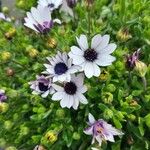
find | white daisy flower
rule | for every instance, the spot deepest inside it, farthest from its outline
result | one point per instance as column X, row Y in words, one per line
column 51, row 4
column 91, row 58
column 42, row 85
column 39, row 19
column 71, row 93
column 60, row 67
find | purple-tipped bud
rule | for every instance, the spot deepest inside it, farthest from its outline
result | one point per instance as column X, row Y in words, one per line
column 132, row 59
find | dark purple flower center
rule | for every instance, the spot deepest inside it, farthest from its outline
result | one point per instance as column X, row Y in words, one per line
column 90, row 55
column 60, row 68
column 45, row 27
column 70, row 88
column 51, row 5
column 43, row 87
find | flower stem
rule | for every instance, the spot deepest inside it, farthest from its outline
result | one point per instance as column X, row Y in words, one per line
column 89, row 22
column 144, row 82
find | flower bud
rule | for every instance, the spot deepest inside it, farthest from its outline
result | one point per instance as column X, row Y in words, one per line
column 141, row 68
column 5, row 56
column 5, row 10
column 76, row 136
column 104, row 75
column 130, row 140
column 107, row 97
column 51, row 43
column 24, row 130
column 11, row 32
column 51, row 136
column 10, row 72
column 33, row 53
column 60, row 113
column 123, row 35
column 3, row 107
column 131, row 117
column 111, row 88
column 108, row 114
column 8, row 125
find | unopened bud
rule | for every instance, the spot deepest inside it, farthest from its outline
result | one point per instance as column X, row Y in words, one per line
column 11, row 32
column 60, row 113
column 5, row 56
column 3, row 107
column 51, row 136
column 104, row 76
column 123, row 35
column 33, row 52
column 76, row 136
column 10, row 72
column 51, row 43
column 107, row 97
column 5, row 10
column 141, row 68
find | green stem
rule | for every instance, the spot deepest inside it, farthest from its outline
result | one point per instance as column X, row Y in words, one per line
column 144, row 82
column 89, row 22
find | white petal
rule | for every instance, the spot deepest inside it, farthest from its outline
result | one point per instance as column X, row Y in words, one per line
column 57, row 21
column 105, row 60
column 65, row 101
column 58, row 88
column 76, row 51
column 99, row 139
column 104, row 42
column 71, row 101
column 74, row 69
column 108, row 49
column 82, row 98
column 89, row 131
column 82, row 89
column 89, row 70
column 76, row 103
column 82, row 41
column 91, row 118
column 78, row 80
column 96, row 70
column 96, row 40
column 77, row 60
column 57, row 96
column 45, row 94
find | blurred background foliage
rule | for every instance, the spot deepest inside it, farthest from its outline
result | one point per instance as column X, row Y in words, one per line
column 27, row 120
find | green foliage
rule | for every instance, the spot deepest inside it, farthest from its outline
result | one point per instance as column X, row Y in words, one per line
column 117, row 96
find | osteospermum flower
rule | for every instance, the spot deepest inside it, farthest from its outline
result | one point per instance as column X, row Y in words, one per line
column 51, row 4
column 97, row 55
column 39, row 19
column 101, row 130
column 60, row 67
column 42, row 85
column 71, row 93
column 3, row 97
